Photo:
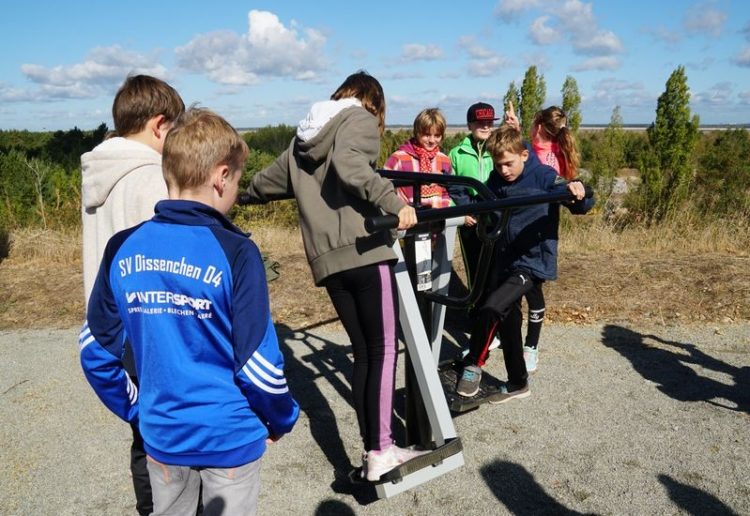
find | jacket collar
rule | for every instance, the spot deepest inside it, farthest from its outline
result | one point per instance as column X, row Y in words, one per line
column 192, row 213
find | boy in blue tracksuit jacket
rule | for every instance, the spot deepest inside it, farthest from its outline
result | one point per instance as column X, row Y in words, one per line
column 187, row 289
column 525, row 254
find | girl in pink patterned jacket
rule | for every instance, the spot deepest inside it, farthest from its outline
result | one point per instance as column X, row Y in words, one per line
column 421, row 153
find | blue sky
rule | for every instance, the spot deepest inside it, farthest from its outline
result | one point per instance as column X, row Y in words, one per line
column 264, row 62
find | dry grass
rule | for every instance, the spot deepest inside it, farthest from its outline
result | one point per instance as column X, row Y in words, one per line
column 679, row 272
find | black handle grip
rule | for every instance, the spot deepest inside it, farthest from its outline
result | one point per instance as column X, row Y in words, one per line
column 243, row 199
column 380, row 223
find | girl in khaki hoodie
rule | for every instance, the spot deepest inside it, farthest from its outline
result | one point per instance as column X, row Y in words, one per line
column 329, row 168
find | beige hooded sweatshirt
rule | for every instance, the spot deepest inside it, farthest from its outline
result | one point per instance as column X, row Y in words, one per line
column 121, row 182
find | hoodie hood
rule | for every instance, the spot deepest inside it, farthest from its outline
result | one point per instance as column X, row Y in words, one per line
column 317, row 132
column 320, row 114
column 108, row 163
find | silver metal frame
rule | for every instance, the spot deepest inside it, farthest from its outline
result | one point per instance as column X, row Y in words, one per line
column 425, row 355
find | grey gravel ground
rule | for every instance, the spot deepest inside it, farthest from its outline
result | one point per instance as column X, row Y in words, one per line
column 622, row 420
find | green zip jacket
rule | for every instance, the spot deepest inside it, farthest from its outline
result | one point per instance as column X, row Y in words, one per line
column 466, row 162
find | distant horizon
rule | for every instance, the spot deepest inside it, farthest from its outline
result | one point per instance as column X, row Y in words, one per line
column 451, row 128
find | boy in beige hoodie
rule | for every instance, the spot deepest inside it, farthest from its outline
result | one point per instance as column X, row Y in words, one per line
column 121, row 182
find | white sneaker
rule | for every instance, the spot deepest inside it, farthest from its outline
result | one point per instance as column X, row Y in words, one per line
column 495, row 343
column 380, row 462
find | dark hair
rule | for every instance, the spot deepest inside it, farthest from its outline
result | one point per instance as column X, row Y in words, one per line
column 141, row 98
column 368, row 90
column 554, row 123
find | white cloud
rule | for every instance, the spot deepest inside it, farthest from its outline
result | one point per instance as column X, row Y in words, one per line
column 509, row 10
column 571, row 20
column 488, row 67
column 612, row 92
column 601, row 43
column 269, row 49
column 704, row 18
column 473, row 49
column 743, row 58
column 598, row 63
column 577, row 19
column 401, row 76
column 663, row 34
column 103, row 70
column 612, row 84
column 719, row 94
column 541, row 34
column 744, row 97
column 419, row 52
column 483, row 61
column 537, row 59
column 702, row 65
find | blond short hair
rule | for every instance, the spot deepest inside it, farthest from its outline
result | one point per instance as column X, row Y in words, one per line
column 427, row 119
column 200, row 141
column 505, row 139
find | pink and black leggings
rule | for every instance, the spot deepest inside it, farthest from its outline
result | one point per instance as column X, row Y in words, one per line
column 366, row 301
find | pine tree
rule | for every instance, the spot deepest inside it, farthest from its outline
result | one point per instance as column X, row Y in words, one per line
column 533, row 92
column 609, row 155
column 571, row 103
column 672, row 138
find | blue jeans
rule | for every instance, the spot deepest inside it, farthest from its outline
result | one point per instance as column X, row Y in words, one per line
column 225, row 490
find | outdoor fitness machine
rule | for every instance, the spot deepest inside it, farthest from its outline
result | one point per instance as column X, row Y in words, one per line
column 423, row 275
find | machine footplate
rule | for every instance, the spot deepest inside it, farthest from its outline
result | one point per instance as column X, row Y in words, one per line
column 450, row 372
column 433, row 458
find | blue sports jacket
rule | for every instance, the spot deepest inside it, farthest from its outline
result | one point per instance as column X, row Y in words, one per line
column 188, row 291
column 530, row 240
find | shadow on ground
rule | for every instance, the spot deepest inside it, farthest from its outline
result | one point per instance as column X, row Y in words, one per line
column 327, row 360
column 516, row 488
column 668, row 365
column 693, row 500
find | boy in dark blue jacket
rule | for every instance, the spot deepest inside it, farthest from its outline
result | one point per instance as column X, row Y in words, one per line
column 525, row 254
column 187, row 289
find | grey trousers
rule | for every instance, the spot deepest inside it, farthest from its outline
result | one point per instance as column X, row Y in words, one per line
column 227, row 491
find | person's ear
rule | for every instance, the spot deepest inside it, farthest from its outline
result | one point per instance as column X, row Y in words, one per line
column 221, row 176
column 525, row 155
column 159, row 127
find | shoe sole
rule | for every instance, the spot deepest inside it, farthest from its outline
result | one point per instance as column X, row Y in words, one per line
column 503, row 398
column 468, row 395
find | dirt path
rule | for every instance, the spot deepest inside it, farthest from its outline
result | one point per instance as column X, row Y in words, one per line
column 623, row 419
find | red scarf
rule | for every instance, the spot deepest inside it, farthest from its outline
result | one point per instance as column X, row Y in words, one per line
column 425, row 157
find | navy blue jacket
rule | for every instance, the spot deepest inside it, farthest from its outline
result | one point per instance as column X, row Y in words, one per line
column 188, row 290
column 530, row 241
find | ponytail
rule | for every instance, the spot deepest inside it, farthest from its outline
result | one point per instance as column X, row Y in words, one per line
column 554, row 123
column 566, row 142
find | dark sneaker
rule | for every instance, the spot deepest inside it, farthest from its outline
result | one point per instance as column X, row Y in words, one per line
column 508, row 392
column 468, row 384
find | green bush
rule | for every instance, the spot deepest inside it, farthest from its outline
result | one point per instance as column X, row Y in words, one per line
column 272, row 139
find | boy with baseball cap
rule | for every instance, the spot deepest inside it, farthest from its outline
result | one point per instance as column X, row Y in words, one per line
column 470, row 159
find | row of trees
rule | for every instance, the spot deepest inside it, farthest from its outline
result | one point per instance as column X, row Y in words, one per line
column 40, row 173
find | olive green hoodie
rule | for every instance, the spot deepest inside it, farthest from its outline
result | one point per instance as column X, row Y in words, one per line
column 329, row 168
